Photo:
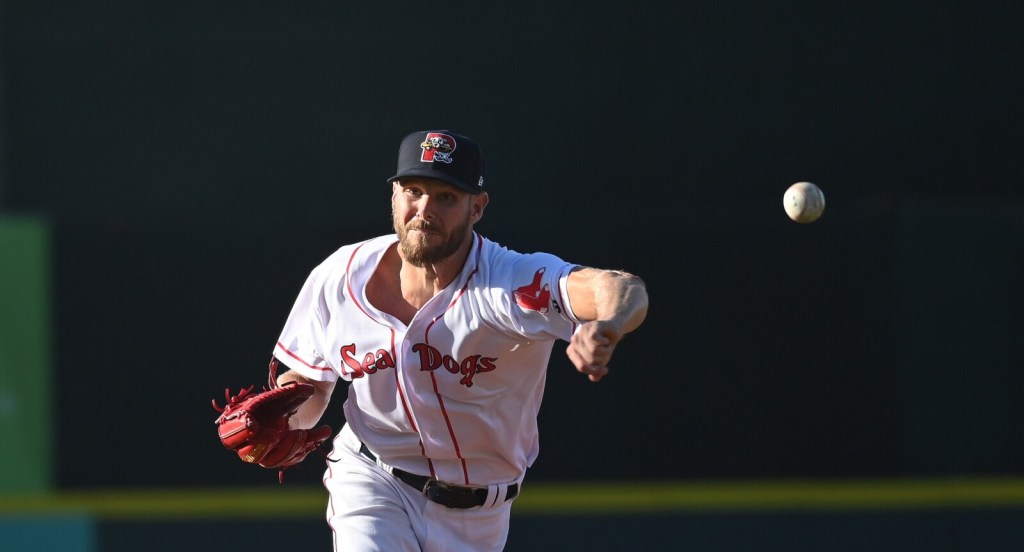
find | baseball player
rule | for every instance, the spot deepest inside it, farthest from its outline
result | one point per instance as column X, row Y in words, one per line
column 444, row 337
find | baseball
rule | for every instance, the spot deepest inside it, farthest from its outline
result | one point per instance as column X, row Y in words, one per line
column 804, row 202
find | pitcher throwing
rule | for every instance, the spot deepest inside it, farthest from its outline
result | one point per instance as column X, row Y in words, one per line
column 444, row 337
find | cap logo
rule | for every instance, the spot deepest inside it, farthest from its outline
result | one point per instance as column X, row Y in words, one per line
column 437, row 147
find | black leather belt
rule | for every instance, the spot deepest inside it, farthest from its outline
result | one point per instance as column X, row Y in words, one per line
column 449, row 496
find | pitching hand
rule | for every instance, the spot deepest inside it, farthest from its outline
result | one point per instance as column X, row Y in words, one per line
column 591, row 347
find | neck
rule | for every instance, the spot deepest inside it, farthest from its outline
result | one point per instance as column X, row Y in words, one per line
column 421, row 283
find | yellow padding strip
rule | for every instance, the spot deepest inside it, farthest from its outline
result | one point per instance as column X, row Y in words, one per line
column 771, row 496
column 548, row 498
column 296, row 501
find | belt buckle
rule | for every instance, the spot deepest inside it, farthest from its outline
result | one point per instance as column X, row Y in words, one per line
column 426, row 486
column 447, row 495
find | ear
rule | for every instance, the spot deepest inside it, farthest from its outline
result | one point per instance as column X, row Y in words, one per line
column 479, row 203
column 396, row 187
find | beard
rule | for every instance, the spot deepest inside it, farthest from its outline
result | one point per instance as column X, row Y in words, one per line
column 418, row 252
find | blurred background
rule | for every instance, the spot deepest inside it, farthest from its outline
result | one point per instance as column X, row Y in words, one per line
column 170, row 173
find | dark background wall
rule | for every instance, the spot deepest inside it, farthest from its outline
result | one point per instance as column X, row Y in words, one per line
column 197, row 159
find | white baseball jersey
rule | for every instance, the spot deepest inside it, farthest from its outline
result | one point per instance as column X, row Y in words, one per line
column 456, row 393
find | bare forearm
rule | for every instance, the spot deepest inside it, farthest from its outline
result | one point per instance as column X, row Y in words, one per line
column 609, row 295
column 312, row 410
column 621, row 297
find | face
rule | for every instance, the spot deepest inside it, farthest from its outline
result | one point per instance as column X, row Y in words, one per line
column 433, row 219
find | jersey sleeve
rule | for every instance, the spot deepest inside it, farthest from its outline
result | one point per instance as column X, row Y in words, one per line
column 302, row 340
column 537, row 301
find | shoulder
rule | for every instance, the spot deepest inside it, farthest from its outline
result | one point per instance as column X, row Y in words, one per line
column 347, row 259
column 519, row 276
column 502, row 260
column 345, row 256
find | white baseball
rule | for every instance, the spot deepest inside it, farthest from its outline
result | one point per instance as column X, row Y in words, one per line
column 804, row 202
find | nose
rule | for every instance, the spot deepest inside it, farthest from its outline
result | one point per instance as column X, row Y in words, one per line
column 425, row 207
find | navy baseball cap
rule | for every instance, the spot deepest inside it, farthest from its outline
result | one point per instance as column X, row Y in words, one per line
column 444, row 155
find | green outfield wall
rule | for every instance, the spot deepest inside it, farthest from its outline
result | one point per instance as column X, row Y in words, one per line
column 26, row 345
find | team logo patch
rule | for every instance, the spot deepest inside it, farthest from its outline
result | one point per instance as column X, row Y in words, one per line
column 437, row 147
column 533, row 296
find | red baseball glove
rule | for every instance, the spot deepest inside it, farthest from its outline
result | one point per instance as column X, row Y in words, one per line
column 255, row 425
